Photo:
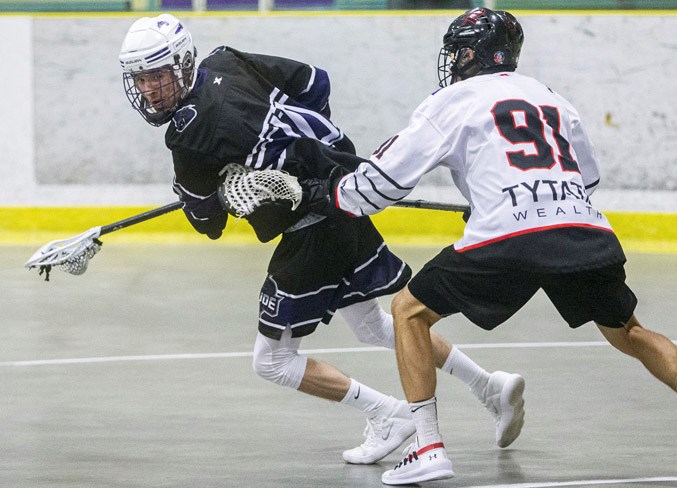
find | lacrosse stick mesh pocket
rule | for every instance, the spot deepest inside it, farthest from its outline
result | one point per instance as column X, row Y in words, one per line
column 244, row 190
column 78, row 262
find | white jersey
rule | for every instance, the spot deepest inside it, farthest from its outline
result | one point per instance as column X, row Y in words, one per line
column 516, row 150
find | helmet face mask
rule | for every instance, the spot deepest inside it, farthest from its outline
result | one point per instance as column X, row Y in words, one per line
column 158, row 63
column 495, row 38
column 456, row 65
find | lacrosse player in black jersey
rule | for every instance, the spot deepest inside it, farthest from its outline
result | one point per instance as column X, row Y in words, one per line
column 266, row 112
column 520, row 155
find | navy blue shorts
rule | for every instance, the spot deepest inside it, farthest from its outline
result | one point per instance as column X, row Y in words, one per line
column 318, row 269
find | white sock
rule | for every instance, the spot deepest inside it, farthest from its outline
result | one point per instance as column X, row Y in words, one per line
column 425, row 418
column 468, row 371
column 364, row 398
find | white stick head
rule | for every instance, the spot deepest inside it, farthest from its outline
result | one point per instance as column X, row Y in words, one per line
column 71, row 255
column 244, row 190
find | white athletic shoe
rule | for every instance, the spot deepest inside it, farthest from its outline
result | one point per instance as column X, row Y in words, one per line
column 503, row 398
column 383, row 436
column 420, row 464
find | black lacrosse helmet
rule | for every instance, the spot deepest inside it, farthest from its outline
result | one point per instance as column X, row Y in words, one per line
column 495, row 37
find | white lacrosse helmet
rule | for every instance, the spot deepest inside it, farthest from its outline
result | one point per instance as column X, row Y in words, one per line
column 158, row 63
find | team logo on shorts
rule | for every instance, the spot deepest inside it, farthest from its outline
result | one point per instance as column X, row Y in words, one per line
column 499, row 57
column 183, row 117
column 269, row 300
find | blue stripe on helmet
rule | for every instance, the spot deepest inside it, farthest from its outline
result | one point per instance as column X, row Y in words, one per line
column 158, row 55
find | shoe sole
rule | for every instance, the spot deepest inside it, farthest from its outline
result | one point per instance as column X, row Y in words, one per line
column 512, row 401
column 405, row 432
column 440, row 474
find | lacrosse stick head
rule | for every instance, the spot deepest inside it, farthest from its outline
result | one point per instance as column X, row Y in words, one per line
column 71, row 255
column 244, row 190
column 265, row 198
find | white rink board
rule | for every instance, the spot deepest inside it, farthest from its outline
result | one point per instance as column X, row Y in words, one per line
column 73, row 139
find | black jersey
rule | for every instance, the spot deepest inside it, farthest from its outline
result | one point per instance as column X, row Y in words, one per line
column 250, row 109
column 267, row 112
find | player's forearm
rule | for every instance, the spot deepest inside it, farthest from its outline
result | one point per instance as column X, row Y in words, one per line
column 365, row 194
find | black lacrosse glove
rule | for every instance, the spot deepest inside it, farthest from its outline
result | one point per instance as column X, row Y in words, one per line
column 205, row 215
column 319, row 195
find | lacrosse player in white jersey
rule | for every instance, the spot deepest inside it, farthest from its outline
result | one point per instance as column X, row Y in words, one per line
column 266, row 112
column 520, row 155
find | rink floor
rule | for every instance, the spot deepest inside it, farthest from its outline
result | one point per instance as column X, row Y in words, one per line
column 138, row 374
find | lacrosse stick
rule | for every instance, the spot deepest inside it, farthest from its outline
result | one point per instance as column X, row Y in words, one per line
column 242, row 191
column 72, row 255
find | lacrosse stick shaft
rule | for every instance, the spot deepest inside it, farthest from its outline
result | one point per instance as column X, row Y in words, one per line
column 450, row 207
column 151, row 214
column 142, row 217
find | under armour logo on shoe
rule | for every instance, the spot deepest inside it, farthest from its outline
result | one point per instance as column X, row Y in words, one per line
column 434, row 456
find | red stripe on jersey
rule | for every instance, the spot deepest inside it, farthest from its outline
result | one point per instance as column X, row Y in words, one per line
column 336, row 202
column 529, row 231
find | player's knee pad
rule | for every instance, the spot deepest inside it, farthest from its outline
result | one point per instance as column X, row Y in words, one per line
column 279, row 361
column 370, row 323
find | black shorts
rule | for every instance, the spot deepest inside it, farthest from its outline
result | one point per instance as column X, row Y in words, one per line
column 318, row 269
column 452, row 282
